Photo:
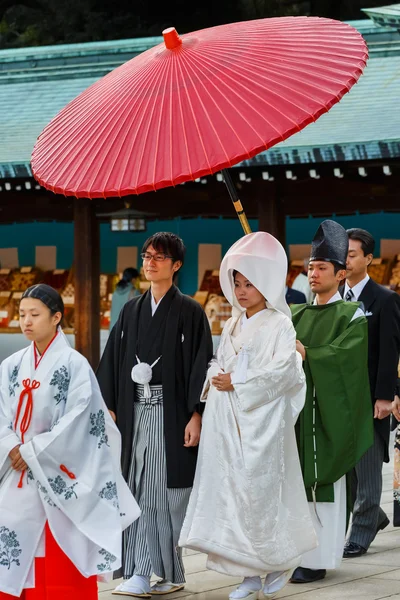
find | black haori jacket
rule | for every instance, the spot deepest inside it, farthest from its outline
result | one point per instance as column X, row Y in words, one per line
column 186, row 352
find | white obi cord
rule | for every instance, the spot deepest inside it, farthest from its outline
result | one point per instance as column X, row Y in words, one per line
column 142, row 373
column 239, row 375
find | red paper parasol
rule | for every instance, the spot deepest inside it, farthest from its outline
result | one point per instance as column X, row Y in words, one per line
column 198, row 104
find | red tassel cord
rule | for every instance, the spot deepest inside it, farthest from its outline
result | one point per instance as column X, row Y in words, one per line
column 27, row 392
column 64, row 469
column 27, row 415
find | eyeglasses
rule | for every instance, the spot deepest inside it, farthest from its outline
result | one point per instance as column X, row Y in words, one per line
column 159, row 257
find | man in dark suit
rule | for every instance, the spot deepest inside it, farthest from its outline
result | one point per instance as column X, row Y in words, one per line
column 295, row 297
column 382, row 309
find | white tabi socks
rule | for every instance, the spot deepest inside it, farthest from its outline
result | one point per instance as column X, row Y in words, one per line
column 276, row 581
column 137, row 586
column 247, row 590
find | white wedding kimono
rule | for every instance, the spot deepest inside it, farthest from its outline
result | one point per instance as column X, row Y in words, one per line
column 72, row 449
column 248, row 509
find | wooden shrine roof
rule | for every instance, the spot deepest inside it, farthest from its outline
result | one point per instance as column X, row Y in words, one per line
column 321, row 190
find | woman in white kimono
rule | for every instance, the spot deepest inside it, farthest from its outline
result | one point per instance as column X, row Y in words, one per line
column 248, row 509
column 63, row 501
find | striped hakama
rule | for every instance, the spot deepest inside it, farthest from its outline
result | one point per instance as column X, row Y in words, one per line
column 151, row 543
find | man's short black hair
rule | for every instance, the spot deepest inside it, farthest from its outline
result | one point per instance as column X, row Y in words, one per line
column 363, row 236
column 168, row 243
column 336, row 266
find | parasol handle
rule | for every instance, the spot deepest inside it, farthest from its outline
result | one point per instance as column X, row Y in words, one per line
column 236, row 201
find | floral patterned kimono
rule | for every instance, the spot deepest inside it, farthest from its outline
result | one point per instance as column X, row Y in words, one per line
column 71, row 505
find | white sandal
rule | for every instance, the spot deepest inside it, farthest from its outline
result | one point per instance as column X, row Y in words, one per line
column 275, row 582
column 137, row 589
column 249, row 596
column 245, row 592
column 164, row 587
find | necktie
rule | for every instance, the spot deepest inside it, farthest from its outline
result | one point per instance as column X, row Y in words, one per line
column 349, row 296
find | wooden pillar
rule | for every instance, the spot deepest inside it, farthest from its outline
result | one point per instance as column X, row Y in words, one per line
column 87, row 280
column 271, row 214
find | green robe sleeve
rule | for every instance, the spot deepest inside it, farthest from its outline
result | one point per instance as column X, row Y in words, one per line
column 336, row 426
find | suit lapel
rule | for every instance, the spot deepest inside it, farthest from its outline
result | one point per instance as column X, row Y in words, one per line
column 368, row 295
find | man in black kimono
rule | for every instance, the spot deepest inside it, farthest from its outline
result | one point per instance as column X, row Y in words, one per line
column 151, row 376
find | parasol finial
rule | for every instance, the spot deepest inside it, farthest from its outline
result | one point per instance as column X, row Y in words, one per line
column 171, row 38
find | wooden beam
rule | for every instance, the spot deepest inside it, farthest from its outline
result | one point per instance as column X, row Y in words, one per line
column 87, row 280
column 300, row 197
column 271, row 214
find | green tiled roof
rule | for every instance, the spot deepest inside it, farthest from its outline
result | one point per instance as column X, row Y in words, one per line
column 364, row 125
column 35, row 83
column 69, row 61
column 385, row 15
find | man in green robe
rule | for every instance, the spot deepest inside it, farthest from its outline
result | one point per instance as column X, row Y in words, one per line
column 335, row 427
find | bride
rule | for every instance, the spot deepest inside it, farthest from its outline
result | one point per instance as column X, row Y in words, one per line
column 248, row 509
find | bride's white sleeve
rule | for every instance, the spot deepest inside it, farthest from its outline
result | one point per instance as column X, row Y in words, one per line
column 214, row 367
column 282, row 374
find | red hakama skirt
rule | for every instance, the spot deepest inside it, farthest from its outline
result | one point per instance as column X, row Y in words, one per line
column 56, row 578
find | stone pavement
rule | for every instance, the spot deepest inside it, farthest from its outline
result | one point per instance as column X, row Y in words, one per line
column 374, row 576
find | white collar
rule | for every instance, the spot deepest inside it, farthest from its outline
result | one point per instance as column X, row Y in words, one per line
column 154, row 304
column 334, row 298
column 356, row 289
column 246, row 321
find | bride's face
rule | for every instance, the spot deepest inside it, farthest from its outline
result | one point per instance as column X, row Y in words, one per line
column 247, row 295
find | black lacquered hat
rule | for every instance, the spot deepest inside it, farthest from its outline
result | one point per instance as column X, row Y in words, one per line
column 330, row 243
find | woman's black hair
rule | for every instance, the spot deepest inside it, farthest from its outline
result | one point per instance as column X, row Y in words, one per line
column 234, row 273
column 127, row 276
column 46, row 294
